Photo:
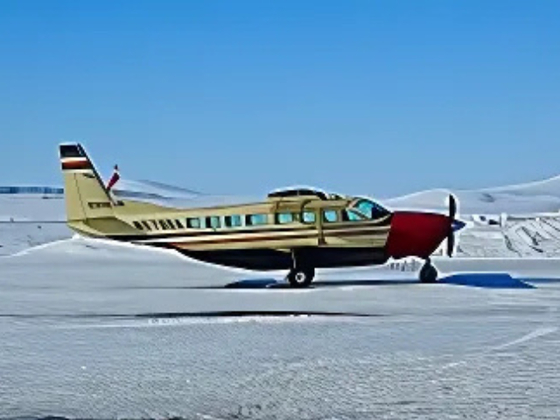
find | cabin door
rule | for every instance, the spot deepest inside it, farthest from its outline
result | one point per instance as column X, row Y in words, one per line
column 319, row 225
column 311, row 216
column 320, row 234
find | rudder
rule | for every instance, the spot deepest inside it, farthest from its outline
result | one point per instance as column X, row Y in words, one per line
column 86, row 196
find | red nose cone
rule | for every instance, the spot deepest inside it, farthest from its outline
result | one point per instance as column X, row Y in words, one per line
column 416, row 234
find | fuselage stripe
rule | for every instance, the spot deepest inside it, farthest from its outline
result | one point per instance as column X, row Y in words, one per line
column 258, row 236
column 179, row 236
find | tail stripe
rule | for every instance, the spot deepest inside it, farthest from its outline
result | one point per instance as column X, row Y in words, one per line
column 75, row 163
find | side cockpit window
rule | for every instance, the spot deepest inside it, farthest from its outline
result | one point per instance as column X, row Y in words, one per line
column 349, row 215
column 369, row 209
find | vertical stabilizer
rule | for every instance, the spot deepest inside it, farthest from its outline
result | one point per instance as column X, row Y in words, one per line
column 86, row 196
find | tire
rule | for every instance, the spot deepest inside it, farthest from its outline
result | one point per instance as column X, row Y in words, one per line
column 428, row 273
column 301, row 277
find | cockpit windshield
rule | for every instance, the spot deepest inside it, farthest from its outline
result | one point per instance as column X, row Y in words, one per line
column 367, row 209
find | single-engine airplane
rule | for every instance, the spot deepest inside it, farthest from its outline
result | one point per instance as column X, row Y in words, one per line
column 297, row 229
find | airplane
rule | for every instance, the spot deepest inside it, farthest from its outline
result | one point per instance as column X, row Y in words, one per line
column 294, row 229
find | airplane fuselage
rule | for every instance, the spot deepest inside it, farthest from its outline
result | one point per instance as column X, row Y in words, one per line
column 294, row 229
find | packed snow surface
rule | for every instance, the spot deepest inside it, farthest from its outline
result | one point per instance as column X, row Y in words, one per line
column 96, row 330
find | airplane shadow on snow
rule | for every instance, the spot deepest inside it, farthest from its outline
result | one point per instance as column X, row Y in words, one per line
column 270, row 283
column 479, row 280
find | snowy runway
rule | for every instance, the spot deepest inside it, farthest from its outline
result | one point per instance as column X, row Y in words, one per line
column 100, row 331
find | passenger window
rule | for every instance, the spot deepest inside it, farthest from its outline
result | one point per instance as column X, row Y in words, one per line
column 257, row 219
column 232, row 221
column 283, row 218
column 308, row 217
column 193, row 223
column 137, row 225
column 178, row 224
column 330, row 216
column 213, row 222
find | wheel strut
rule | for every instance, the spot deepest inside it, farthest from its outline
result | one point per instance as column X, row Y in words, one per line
column 428, row 273
column 300, row 275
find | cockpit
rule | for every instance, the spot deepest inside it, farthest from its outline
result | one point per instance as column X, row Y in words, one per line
column 357, row 209
column 364, row 209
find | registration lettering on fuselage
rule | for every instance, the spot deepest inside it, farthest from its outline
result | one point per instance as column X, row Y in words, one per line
column 99, row 205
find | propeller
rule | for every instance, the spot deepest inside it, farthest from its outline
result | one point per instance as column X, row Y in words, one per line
column 452, row 225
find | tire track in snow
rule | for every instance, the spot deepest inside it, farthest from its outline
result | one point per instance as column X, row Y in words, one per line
column 537, row 333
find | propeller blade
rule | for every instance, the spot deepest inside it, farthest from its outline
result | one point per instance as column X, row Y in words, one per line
column 451, row 234
column 450, row 244
column 452, row 206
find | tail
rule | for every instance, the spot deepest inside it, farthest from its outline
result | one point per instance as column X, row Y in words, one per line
column 90, row 209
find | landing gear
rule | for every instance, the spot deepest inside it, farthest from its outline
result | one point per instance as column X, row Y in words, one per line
column 428, row 273
column 302, row 273
column 301, row 276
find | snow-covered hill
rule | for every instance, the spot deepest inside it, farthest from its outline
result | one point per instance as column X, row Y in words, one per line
column 534, row 197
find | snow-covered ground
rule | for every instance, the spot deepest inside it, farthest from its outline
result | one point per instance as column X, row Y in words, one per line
column 94, row 329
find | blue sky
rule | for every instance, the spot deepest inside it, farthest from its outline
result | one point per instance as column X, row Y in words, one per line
column 378, row 97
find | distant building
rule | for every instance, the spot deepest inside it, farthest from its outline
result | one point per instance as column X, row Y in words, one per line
column 31, row 190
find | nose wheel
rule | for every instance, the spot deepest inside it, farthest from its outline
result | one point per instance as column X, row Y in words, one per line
column 428, row 273
column 301, row 276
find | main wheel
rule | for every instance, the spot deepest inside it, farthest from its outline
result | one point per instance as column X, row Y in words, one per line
column 301, row 277
column 428, row 273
